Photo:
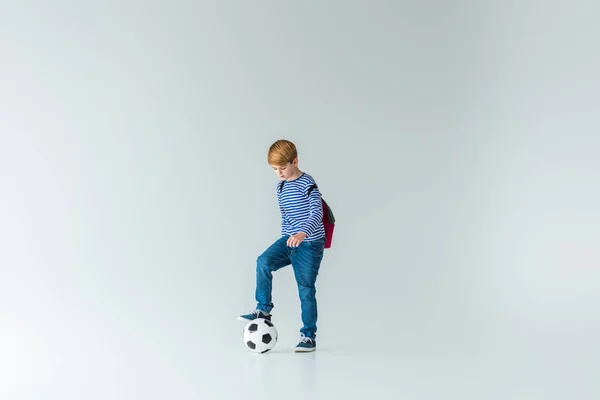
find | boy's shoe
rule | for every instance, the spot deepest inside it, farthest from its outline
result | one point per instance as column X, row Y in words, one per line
column 306, row 344
column 253, row 315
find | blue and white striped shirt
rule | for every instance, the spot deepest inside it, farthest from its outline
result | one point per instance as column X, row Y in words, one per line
column 299, row 212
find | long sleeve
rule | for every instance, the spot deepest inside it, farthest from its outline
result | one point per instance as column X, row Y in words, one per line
column 312, row 224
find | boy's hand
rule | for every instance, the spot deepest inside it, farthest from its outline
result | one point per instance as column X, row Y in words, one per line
column 295, row 240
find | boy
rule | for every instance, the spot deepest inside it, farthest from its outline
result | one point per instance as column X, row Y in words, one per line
column 301, row 244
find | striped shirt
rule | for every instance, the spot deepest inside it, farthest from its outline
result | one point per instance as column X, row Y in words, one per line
column 299, row 212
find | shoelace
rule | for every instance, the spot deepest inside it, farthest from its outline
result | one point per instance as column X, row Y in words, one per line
column 305, row 339
column 256, row 312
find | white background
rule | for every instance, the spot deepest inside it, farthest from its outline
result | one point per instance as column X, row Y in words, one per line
column 457, row 143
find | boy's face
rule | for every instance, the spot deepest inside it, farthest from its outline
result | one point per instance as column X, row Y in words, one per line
column 285, row 172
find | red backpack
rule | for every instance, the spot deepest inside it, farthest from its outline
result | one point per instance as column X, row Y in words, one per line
column 328, row 218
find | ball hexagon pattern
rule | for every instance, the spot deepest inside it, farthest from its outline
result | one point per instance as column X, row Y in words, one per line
column 260, row 335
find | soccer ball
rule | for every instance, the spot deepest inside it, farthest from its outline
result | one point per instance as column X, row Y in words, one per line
column 260, row 335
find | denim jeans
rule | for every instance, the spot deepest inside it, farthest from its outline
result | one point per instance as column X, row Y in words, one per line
column 306, row 261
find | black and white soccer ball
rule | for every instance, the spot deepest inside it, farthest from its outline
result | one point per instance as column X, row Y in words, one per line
column 260, row 335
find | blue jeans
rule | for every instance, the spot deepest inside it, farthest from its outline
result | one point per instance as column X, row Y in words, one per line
column 306, row 261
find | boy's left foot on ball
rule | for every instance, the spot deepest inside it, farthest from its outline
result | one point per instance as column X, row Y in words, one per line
column 306, row 345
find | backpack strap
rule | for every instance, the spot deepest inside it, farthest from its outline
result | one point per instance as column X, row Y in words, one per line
column 281, row 186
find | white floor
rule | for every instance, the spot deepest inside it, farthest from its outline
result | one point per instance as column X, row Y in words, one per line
column 408, row 371
column 175, row 364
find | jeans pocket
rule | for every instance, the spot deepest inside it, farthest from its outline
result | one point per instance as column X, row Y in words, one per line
column 317, row 247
